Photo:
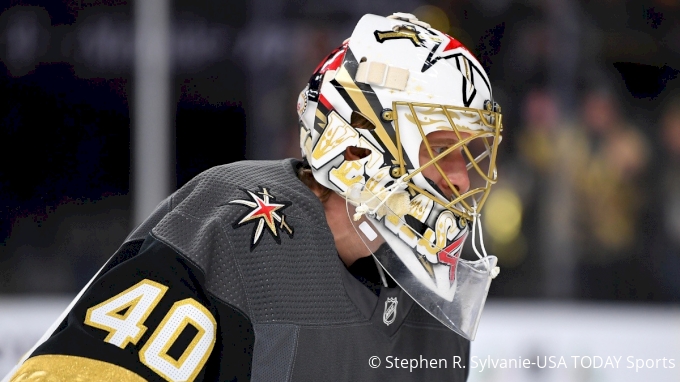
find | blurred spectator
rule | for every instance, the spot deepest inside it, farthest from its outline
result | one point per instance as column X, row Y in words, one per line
column 552, row 151
column 609, row 186
column 610, row 189
column 541, row 125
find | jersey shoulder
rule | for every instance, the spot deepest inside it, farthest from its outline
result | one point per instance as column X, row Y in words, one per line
column 242, row 221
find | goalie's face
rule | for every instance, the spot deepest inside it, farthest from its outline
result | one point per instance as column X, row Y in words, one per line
column 452, row 165
column 448, row 153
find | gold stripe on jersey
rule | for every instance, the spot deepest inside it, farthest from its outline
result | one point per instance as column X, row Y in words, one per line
column 68, row 368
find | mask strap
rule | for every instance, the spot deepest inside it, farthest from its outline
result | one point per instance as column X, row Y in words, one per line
column 382, row 273
column 477, row 225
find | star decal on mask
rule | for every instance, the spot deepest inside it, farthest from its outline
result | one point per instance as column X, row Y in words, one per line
column 265, row 214
column 451, row 254
column 452, row 44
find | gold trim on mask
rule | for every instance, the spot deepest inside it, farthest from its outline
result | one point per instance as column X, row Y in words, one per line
column 68, row 368
column 490, row 126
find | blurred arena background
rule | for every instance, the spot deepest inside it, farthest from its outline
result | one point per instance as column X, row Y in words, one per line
column 109, row 105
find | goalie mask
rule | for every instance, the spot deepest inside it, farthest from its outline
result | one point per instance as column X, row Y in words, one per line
column 415, row 107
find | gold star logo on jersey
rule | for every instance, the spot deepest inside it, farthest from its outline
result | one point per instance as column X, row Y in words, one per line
column 265, row 214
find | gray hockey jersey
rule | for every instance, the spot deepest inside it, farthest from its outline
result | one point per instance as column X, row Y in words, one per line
column 236, row 277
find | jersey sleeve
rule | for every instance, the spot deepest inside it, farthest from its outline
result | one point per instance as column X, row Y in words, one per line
column 145, row 317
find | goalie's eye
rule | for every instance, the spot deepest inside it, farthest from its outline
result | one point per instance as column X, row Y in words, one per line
column 439, row 149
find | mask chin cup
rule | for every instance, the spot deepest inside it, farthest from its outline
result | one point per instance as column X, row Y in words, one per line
column 451, row 289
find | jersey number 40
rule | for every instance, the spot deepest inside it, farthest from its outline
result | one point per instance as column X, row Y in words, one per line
column 123, row 316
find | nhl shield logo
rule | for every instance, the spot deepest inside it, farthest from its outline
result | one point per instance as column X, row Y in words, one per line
column 390, row 312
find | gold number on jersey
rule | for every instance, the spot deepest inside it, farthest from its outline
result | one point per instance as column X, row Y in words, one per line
column 154, row 354
column 123, row 315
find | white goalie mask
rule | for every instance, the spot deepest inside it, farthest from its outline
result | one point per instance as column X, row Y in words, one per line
column 418, row 105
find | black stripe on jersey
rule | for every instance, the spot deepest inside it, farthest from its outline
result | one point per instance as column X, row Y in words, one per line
column 232, row 353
